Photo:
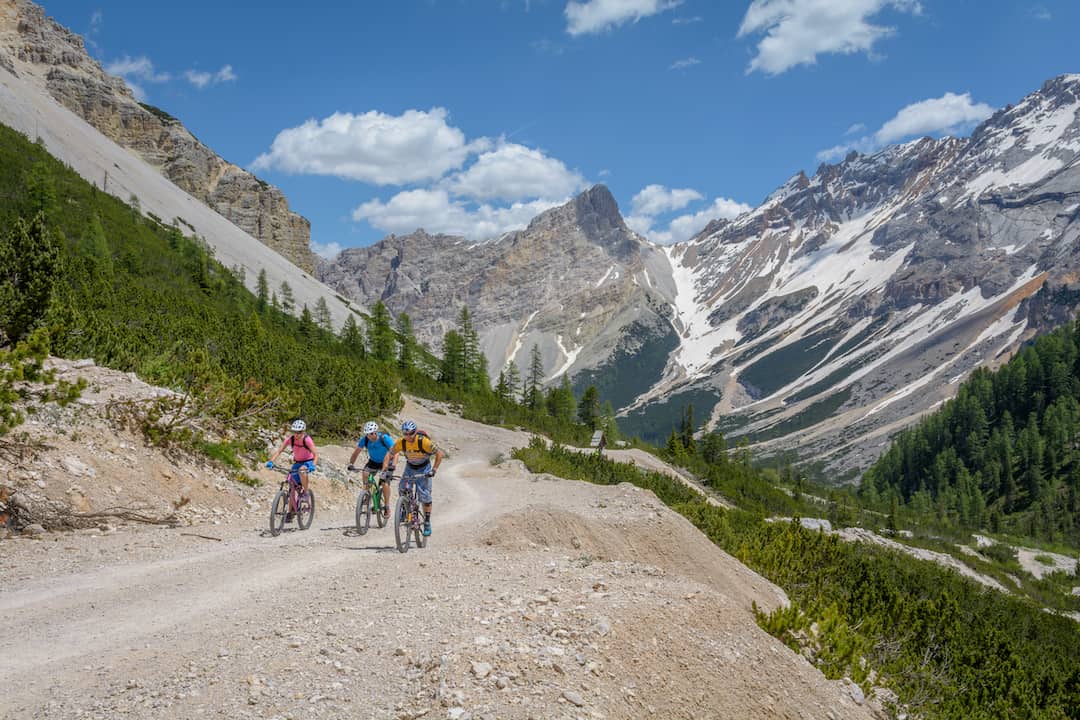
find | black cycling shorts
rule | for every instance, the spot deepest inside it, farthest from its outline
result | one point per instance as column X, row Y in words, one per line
column 375, row 466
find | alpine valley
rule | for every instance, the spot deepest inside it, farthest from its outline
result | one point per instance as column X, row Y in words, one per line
column 835, row 313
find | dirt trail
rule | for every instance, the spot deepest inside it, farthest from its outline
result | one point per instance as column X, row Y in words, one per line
column 536, row 598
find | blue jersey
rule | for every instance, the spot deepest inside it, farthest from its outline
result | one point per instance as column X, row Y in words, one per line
column 377, row 450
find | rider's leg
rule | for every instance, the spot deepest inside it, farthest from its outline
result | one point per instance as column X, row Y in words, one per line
column 385, row 500
column 303, row 478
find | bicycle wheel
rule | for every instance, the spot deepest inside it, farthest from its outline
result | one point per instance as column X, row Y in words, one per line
column 402, row 526
column 363, row 512
column 278, row 510
column 305, row 509
column 380, row 518
column 418, row 531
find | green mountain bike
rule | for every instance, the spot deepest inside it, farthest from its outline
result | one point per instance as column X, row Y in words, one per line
column 370, row 500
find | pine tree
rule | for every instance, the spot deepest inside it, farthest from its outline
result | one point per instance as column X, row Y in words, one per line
column 30, row 266
column 686, row 429
column 452, row 369
column 589, row 407
column 503, row 389
column 351, row 337
column 288, row 302
column 406, row 342
column 322, row 315
column 307, row 322
column 513, row 379
column 534, row 397
column 380, row 334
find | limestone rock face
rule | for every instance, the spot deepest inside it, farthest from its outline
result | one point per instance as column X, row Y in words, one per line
column 35, row 47
column 571, row 283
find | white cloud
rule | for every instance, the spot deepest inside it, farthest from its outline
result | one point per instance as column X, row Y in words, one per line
column 950, row 113
column 202, row 79
column 856, row 128
column 684, row 63
column 686, row 20
column 96, row 19
column 684, row 226
column 797, row 31
column 140, row 68
column 326, row 250
column 373, row 147
column 594, row 16
column 514, row 172
column 656, row 199
column 1039, row 12
column 435, row 212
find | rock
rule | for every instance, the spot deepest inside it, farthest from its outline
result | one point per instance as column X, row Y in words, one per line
column 77, row 467
column 502, row 682
column 481, row 670
column 573, row 698
column 33, row 529
column 40, row 484
column 457, row 713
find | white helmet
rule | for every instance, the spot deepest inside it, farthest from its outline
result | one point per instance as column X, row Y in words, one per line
column 371, row 427
column 298, row 426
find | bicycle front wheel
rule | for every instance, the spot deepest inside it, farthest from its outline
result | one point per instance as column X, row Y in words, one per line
column 363, row 512
column 402, row 525
column 305, row 509
column 279, row 509
column 379, row 508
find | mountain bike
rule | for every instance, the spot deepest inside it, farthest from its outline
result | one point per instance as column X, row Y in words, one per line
column 370, row 501
column 408, row 518
column 291, row 501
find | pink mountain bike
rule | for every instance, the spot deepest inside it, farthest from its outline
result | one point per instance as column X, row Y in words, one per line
column 291, row 502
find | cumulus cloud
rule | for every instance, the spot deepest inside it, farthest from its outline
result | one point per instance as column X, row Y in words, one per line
column 140, row 68
column 684, row 63
column 326, row 250
column 435, row 211
column 201, row 79
column 514, row 172
column 797, row 31
column 950, row 113
column 686, row 20
column 594, row 16
column 373, row 147
column 655, row 200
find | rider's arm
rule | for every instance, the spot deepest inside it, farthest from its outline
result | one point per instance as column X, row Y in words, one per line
column 438, row 459
column 389, row 459
column 278, row 451
column 355, row 454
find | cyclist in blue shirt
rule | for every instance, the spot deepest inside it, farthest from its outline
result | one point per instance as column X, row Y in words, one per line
column 377, row 445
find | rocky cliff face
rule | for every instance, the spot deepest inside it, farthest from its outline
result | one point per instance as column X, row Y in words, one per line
column 38, row 49
column 574, row 282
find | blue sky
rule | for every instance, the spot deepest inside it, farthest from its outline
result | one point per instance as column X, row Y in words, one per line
column 470, row 116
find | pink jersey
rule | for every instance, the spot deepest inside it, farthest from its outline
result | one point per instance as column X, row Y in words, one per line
column 302, row 451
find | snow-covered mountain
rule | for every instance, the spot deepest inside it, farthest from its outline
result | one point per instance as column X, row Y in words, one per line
column 850, row 302
column 836, row 312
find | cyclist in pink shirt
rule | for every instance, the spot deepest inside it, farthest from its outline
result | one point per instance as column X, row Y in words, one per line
column 305, row 455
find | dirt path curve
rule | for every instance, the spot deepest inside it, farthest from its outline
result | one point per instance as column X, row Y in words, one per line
column 536, row 598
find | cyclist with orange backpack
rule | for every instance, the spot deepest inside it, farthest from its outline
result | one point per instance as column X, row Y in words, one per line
column 305, row 455
column 419, row 451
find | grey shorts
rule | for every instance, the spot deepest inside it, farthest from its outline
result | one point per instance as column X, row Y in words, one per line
column 423, row 482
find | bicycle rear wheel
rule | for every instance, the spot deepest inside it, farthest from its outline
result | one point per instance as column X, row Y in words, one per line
column 278, row 510
column 402, row 525
column 305, row 509
column 363, row 512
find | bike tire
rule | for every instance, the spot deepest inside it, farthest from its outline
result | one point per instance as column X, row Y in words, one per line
column 402, row 528
column 418, row 531
column 363, row 512
column 379, row 517
column 305, row 510
column 278, row 510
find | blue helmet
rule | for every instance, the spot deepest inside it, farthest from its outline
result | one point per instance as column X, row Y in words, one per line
column 408, row 426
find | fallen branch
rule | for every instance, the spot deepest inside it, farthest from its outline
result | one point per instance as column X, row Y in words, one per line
column 26, row 509
column 204, row 537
